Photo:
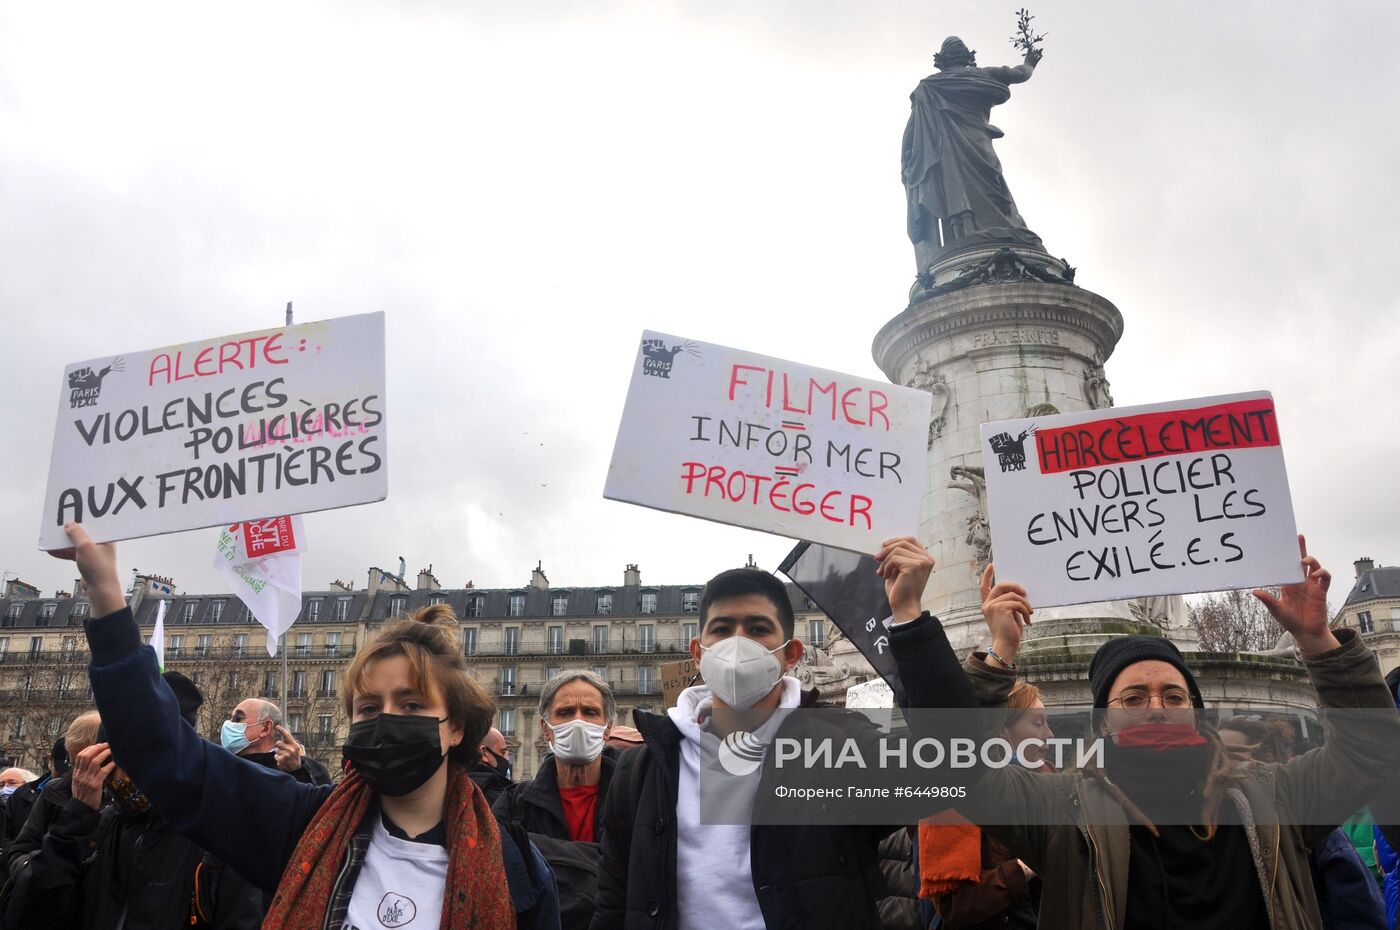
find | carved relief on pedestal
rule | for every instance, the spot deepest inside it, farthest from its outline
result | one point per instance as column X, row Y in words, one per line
column 926, row 378
column 1096, row 391
column 973, row 480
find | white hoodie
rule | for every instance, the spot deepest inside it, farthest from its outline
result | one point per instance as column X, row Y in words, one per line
column 714, row 875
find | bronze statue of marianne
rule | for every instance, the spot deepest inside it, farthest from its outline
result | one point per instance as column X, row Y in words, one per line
column 956, row 192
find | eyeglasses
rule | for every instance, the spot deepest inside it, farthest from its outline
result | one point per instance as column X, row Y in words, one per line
column 1137, row 701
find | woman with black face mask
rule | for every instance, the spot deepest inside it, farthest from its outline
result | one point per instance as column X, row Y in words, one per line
column 406, row 839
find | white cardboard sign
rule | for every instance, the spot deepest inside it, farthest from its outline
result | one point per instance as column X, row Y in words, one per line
column 753, row 441
column 220, row 431
column 1160, row 499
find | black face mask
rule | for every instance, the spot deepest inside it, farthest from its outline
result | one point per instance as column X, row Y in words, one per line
column 502, row 765
column 395, row 753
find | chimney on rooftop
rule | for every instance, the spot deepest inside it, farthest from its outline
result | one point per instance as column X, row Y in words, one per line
column 1363, row 565
column 426, row 580
column 538, row 581
column 631, row 576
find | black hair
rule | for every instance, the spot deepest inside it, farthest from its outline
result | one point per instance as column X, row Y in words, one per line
column 737, row 582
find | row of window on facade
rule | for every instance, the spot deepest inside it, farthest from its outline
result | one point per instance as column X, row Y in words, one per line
column 602, row 604
column 203, row 645
column 646, row 641
column 46, row 612
column 1366, row 624
column 398, row 603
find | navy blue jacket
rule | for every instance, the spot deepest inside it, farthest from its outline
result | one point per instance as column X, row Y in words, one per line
column 248, row 815
column 1347, row 895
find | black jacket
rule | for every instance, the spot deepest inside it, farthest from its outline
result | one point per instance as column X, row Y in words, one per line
column 805, row 875
column 99, row 870
column 310, row 773
column 45, row 811
column 535, row 804
column 491, row 782
column 15, row 811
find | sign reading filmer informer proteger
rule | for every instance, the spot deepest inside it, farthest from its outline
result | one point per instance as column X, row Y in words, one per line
column 220, row 431
column 759, row 442
column 1140, row 501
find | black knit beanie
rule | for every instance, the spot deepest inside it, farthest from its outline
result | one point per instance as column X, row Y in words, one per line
column 187, row 695
column 1120, row 652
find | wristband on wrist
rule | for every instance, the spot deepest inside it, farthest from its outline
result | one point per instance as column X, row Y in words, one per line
column 1009, row 666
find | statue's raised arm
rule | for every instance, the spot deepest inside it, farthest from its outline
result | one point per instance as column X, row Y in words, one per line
column 953, row 180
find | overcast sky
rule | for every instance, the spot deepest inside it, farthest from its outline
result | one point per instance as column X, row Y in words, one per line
column 523, row 188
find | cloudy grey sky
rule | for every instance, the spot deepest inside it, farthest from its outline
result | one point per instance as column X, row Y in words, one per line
column 523, row 188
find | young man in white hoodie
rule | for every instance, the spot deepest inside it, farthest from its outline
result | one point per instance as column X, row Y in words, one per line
column 661, row 866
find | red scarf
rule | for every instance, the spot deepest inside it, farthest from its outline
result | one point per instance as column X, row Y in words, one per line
column 475, row 894
column 1158, row 737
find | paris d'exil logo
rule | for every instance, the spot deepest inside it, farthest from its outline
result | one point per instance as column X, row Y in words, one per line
column 396, row 910
column 740, row 753
column 1011, row 452
column 85, row 385
column 658, row 358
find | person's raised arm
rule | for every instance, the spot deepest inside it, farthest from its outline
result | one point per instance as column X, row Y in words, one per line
column 928, row 668
column 248, row 815
column 1362, row 748
column 1007, row 610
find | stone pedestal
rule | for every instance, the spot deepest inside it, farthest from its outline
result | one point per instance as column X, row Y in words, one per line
column 993, row 333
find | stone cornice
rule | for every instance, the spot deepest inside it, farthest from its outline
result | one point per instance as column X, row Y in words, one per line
column 988, row 306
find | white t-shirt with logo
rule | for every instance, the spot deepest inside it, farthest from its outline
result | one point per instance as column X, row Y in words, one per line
column 401, row 885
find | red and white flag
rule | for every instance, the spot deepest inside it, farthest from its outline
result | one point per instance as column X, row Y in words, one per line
column 262, row 562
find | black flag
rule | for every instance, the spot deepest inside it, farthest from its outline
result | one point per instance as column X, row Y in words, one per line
column 844, row 586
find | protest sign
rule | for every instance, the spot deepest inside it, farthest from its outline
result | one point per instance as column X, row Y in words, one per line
column 846, row 587
column 1140, row 501
column 754, row 441
column 222, row 431
column 676, row 677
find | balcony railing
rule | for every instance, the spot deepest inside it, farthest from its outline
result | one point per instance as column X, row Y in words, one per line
column 627, row 687
column 527, row 650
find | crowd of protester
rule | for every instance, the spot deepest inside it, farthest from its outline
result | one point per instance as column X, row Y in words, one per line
column 141, row 823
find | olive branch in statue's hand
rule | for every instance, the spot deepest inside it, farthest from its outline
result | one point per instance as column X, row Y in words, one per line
column 1026, row 39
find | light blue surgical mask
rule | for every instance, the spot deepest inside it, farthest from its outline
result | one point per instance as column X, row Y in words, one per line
column 234, row 736
column 8, row 790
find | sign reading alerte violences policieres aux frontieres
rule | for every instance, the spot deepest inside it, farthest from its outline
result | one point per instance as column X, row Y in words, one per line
column 1138, row 501
column 753, row 441
column 220, row 431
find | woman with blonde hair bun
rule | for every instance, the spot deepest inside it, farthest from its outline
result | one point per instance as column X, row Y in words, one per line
column 405, row 839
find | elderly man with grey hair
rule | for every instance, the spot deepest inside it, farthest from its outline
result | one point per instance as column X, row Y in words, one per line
column 562, row 806
column 254, row 731
column 577, row 710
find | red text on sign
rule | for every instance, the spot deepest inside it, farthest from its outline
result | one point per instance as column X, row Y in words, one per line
column 215, row 360
column 1239, row 425
column 810, row 396
column 781, row 494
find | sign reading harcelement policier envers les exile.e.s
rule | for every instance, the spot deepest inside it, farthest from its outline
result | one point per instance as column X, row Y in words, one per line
column 220, row 431
column 1139, row 501
column 753, row 441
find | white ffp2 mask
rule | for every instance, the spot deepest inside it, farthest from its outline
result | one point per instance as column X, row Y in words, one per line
column 577, row 742
column 739, row 671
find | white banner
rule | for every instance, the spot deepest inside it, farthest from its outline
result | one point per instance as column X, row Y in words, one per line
column 261, row 561
column 753, row 441
column 221, row 431
column 158, row 633
column 1166, row 498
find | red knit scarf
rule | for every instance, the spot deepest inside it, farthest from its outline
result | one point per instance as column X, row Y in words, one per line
column 476, row 894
